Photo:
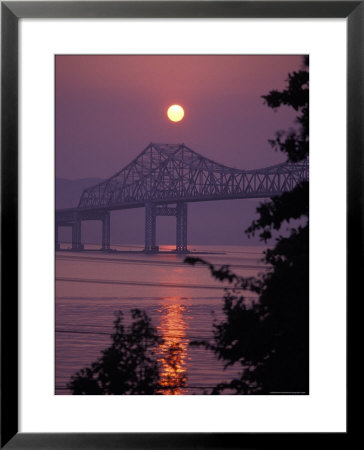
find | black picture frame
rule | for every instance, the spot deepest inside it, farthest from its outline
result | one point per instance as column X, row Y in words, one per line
column 11, row 12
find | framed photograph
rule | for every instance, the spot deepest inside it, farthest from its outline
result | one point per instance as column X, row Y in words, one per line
column 181, row 184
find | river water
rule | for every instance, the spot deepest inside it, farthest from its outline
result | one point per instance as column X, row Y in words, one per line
column 182, row 301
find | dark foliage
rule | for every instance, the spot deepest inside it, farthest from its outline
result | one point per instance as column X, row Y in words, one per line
column 269, row 338
column 294, row 143
column 128, row 366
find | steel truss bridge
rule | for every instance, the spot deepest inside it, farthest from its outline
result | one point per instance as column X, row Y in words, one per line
column 163, row 179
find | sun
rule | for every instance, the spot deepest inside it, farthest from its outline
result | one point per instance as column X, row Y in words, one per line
column 175, row 113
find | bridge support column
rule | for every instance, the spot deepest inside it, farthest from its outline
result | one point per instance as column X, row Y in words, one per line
column 150, row 228
column 181, row 228
column 106, row 232
column 76, row 233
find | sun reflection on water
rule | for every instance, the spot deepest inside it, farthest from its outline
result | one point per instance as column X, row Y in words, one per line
column 174, row 350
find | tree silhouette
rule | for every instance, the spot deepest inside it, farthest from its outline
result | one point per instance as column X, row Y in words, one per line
column 128, row 366
column 269, row 338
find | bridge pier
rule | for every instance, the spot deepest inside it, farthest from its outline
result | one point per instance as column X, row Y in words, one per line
column 181, row 228
column 74, row 220
column 106, row 231
column 150, row 229
column 151, row 213
column 76, row 233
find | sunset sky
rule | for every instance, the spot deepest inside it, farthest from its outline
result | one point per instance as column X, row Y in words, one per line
column 109, row 108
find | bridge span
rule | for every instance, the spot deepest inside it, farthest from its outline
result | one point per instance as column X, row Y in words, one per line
column 163, row 179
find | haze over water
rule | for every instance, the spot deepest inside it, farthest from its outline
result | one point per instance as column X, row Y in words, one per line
column 91, row 286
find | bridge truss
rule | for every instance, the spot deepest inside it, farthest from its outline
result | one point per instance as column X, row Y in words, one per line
column 169, row 173
column 164, row 178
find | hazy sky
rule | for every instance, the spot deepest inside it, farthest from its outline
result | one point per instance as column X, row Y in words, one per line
column 109, row 108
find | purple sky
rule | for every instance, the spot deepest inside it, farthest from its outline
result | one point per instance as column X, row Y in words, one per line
column 108, row 109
